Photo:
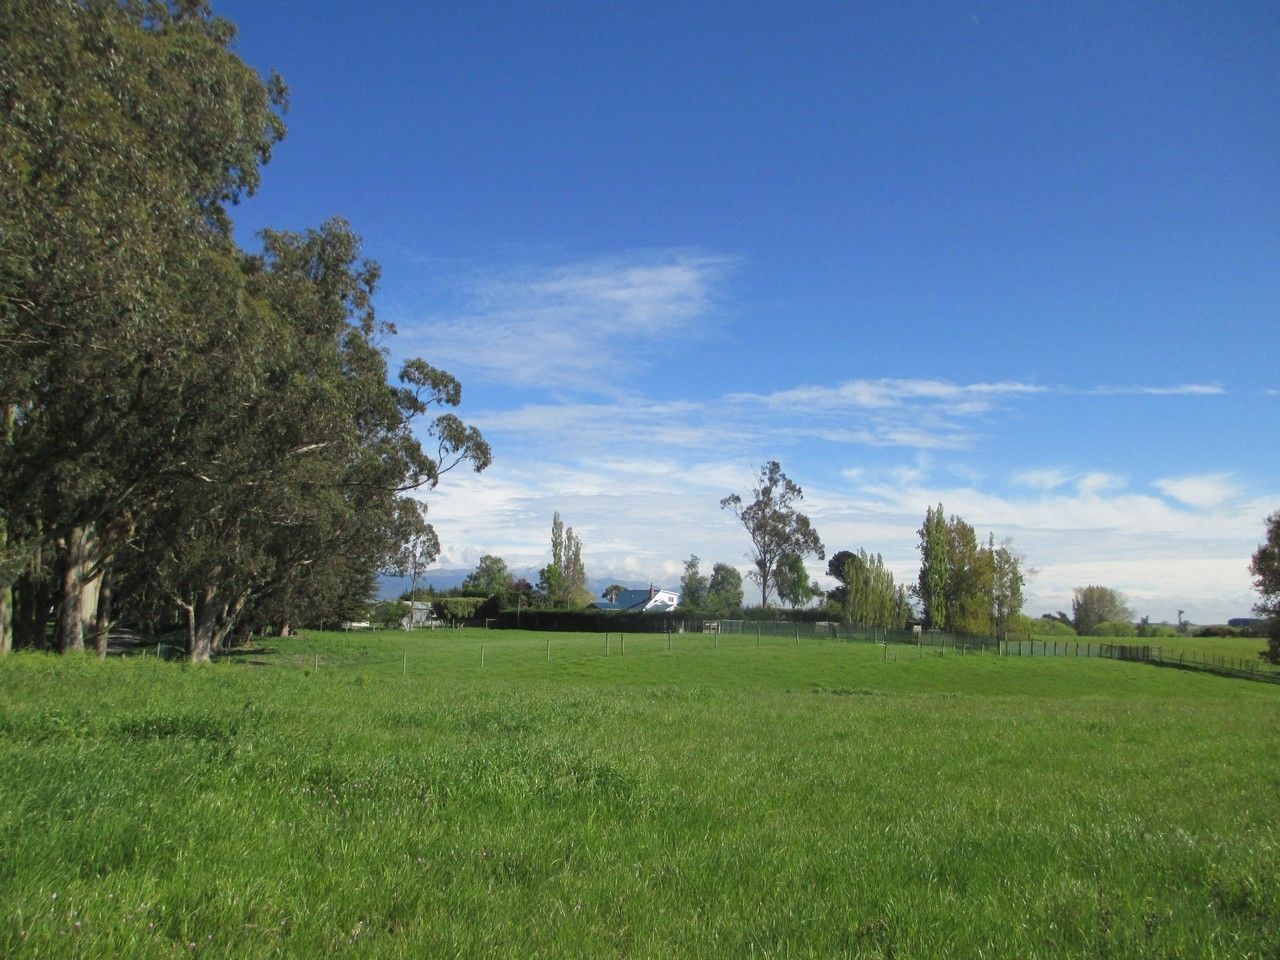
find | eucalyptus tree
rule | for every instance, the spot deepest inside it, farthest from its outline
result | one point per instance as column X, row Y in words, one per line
column 776, row 528
column 186, row 426
column 128, row 129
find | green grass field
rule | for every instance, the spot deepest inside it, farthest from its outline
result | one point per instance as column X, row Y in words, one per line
column 731, row 801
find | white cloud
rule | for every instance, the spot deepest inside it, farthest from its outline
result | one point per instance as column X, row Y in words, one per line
column 1092, row 484
column 1202, row 490
column 1046, row 478
column 575, row 327
column 890, row 392
column 1182, row 389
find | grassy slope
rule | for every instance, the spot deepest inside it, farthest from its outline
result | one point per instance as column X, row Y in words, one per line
column 774, row 800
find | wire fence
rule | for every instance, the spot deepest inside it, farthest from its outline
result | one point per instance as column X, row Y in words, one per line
column 783, row 633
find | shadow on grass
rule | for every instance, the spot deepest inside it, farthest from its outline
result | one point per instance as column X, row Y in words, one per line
column 1260, row 676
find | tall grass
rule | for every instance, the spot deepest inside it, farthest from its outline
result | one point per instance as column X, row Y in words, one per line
column 732, row 800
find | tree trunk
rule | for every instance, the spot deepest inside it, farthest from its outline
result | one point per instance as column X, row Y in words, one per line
column 6, row 591
column 68, row 635
column 102, row 623
column 29, row 598
column 89, row 597
column 206, row 612
column 79, row 557
column 230, row 617
column 6, row 619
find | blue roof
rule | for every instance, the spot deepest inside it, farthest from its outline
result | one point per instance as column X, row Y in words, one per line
column 627, row 600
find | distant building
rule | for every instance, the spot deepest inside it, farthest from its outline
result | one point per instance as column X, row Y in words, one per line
column 652, row 600
column 421, row 614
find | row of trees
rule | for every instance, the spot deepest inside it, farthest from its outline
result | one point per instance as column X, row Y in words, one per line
column 965, row 585
column 192, row 433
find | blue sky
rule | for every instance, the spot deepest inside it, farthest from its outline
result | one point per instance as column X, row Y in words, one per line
column 1018, row 258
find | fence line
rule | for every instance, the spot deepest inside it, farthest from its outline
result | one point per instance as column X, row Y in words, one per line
column 942, row 643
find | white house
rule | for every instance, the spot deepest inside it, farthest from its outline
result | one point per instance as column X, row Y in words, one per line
column 652, row 600
column 421, row 614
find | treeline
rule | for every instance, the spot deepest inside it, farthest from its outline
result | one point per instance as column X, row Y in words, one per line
column 193, row 433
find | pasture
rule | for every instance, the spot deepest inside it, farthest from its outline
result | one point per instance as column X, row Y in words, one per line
column 388, row 795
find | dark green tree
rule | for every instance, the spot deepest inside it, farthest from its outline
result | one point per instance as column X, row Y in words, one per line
column 724, row 591
column 1265, row 567
column 1093, row 605
column 792, row 582
column 693, row 587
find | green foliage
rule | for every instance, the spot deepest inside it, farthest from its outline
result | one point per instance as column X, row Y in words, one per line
column 489, row 577
column 389, row 614
column 934, row 568
column 724, row 591
column 791, row 580
column 1093, row 605
column 192, row 431
column 866, row 595
column 693, row 587
column 1265, row 567
column 1114, row 628
column 966, row 586
column 459, row 608
column 777, row 530
column 563, row 582
column 1049, row 626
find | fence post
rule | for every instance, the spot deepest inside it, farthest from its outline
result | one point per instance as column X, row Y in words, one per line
column 622, row 643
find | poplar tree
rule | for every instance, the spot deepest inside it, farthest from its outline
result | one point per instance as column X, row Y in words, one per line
column 933, row 582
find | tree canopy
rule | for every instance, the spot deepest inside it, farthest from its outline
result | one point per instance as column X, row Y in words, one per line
column 965, row 585
column 191, row 430
column 776, row 528
column 1265, row 567
column 1094, row 605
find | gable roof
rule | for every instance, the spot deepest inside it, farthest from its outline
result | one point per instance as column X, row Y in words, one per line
column 637, row 600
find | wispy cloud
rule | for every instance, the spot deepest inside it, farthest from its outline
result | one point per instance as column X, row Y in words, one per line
column 1046, row 478
column 574, row 327
column 889, row 392
column 1201, row 490
column 1178, row 390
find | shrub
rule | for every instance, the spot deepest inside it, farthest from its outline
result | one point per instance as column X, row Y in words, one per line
column 1217, row 631
column 459, row 608
column 1052, row 627
column 389, row 614
column 1158, row 630
column 1115, row 628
